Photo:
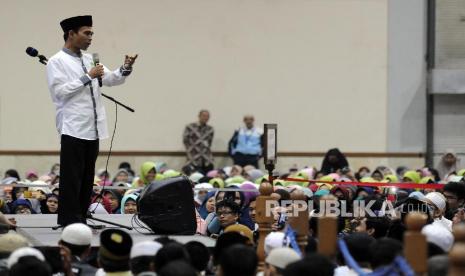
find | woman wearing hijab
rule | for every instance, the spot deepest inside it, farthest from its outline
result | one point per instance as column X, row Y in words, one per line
column 100, row 201
column 345, row 204
column 199, row 195
column 448, row 164
column 115, row 201
column 16, row 193
column 12, row 173
column 208, row 205
column 363, row 192
column 22, row 206
column 50, row 204
column 334, row 160
column 128, row 204
column 122, row 175
column 148, row 173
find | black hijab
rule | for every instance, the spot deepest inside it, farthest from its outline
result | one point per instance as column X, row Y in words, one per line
column 332, row 166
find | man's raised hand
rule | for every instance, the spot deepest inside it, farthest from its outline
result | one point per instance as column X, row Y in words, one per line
column 129, row 61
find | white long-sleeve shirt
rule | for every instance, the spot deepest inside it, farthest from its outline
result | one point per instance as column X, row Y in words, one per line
column 69, row 87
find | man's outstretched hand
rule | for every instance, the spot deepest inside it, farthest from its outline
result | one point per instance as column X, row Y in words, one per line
column 129, row 61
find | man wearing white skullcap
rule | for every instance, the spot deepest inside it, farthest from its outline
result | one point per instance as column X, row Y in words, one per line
column 437, row 202
column 77, row 237
column 8, row 243
column 142, row 258
column 278, row 259
column 439, row 236
column 274, row 240
column 28, row 261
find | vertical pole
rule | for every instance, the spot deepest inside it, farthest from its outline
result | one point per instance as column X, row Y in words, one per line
column 430, row 64
column 415, row 245
column 299, row 219
column 457, row 253
column 327, row 236
column 264, row 218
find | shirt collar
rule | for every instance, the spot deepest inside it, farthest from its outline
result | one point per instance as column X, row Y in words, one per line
column 71, row 53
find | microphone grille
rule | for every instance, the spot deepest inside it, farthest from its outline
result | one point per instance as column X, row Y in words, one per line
column 32, row 52
column 96, row 58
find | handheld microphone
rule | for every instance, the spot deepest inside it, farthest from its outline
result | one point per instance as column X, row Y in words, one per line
column 34, row 53
column 96, row 59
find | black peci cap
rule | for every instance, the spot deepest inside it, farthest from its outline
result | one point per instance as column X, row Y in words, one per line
column 76, row 22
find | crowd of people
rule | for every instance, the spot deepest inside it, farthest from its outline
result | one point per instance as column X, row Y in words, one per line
column 374, row 241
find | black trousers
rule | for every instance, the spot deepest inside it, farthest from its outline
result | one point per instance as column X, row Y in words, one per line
column 77, row 170
column 245, row 159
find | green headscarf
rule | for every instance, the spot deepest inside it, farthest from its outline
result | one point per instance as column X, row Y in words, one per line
column 261, row 179
column 414, row 176
column 217, row 182
column 302, row 174
column 171, row 173
column 391, row 178
column 427, row 179
column 144, row 170
column 368, row 179
column 461, row 172
column 298, row 183
column 280, row 182
column 234, row 180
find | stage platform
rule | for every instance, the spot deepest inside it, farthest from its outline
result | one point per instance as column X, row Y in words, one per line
column 38, row 229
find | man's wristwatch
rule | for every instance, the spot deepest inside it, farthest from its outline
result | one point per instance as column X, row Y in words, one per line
column 125, row 70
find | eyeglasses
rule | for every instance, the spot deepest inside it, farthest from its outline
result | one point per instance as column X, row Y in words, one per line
column 450, row 197
column 224, row 213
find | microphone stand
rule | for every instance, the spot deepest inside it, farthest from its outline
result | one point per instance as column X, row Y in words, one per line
column 117, row 102
column 91, row 217
column 44, row 60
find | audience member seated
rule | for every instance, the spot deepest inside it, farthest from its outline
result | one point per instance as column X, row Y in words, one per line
column 22, row 207
column 178, row 268
column 227, row 213
column 9, row 242
column 115, row 200
column 50, row 205
column 142, row 258
column 172, row 251
column 278, row 259
column 25, row 260
column 128, row 204
column 114, row 252
column 313, row 264
column 77, row 238
column 230, row 266
column 199, row 256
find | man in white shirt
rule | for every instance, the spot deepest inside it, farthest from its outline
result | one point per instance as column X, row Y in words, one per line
column 73, row 81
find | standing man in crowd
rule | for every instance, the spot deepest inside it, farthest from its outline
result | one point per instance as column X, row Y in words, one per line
column 74, row 81
column 198, row 139
column 245, row 146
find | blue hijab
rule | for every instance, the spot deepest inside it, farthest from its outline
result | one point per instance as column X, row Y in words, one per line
column 203, row 208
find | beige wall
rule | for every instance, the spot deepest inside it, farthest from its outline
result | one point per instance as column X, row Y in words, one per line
column 316, row 68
